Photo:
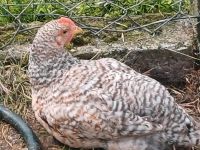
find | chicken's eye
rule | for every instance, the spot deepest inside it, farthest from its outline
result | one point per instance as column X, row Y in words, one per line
column 65, row 31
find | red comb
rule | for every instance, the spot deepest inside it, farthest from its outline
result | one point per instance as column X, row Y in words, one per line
column 65, row 21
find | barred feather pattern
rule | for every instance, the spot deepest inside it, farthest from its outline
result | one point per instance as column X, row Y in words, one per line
column 103, row 103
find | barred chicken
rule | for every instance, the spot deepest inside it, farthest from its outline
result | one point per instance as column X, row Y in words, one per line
column 101, row 103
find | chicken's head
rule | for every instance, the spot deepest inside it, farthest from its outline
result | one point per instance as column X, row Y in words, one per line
column 57, row 33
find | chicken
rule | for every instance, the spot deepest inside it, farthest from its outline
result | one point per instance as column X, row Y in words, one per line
column 101, row 103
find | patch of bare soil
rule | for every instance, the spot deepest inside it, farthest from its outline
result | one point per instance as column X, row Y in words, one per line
column 9, row 138
column 189, row 96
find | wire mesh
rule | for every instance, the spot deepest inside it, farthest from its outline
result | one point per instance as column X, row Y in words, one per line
column 96, row 16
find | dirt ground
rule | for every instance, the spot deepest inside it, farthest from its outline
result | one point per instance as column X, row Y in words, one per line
column 188, row 97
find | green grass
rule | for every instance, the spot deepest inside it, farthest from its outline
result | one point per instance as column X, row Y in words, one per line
column 47, row 9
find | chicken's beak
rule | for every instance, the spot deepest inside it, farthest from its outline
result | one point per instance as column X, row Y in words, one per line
column 77, row 30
